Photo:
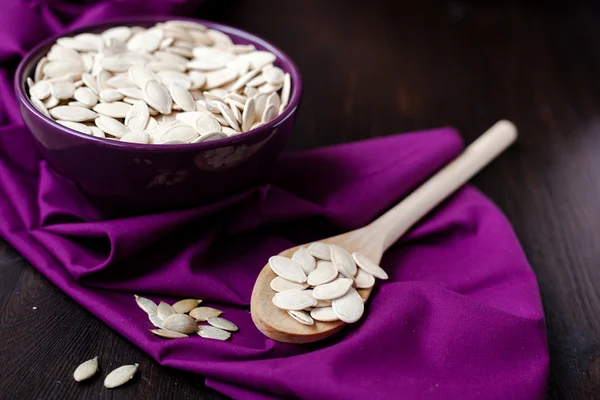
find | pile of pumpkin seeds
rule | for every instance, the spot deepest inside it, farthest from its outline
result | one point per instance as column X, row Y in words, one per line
column 174, row 83
column 181, row 319
column 320, row 282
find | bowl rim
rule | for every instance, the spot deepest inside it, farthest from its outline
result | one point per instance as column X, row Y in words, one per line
column 34, row 54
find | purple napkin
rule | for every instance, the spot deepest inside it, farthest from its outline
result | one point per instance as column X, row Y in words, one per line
column 460, row 317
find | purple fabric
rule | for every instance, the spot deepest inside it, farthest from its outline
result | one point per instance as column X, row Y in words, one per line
column 460, row 317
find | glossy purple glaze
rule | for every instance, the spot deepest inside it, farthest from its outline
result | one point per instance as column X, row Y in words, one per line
column 133, row 177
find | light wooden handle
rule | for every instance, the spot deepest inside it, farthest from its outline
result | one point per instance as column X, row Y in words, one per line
column 394, row 223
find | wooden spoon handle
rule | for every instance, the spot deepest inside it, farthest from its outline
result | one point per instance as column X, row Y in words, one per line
column 394, row 223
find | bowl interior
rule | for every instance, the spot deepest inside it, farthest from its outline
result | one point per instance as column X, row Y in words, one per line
column 27, row 68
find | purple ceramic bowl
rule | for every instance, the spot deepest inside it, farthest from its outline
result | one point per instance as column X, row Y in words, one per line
column 126, row 177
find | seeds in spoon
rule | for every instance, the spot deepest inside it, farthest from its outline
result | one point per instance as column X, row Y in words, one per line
column 339, row 255
column 332, row 290
column 186, row 305
column 201, row 314
column 222, row 323
column 324, row 314
column 294, row 300
column 120, row 376
column 306, row 261
column 319, row 250
column 278, row 284
column 302, row 316
column 350, row 307
column 344, row 270
column 86, row 370
column 369, row 266
column 321, row 275
column 364, row 280
column 287, row 269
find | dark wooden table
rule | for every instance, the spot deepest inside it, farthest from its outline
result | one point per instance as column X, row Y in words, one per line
column 374, row 68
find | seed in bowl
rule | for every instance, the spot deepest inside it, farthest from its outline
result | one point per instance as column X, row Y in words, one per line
column 196, row 81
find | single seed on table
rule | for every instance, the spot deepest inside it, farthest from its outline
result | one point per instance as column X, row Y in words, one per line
column 201, row 314
column 186, row 305
column 287, row 269
column 182, row 97
column 322, row 275
column 294, row 299
column 324, row 314
column 136, row 137
column 120, row 376
column 210, row 332
column 41, row 89
column 343, row 270
column 306, row 261
column 111, row 126
column 278, row 284
column 369, row 266
column 339, row 255
column 332, row 290
column 222, row 323
column 181, row 323
column 86, row 370
column 86, row 96
column 350, row 307
column 157, row 96
column 156, row 321
column 164, row 310
column 78, row 126
column 72, row 113
column 168, row 334
column 301, row 316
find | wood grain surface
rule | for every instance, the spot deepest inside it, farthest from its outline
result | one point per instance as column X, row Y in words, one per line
column 373, row 68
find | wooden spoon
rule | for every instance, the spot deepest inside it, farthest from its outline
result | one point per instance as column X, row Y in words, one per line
column 374, row 239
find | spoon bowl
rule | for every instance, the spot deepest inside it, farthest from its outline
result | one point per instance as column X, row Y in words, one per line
column 374, row 239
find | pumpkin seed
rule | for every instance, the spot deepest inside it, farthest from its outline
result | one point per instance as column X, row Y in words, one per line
column 185, row 306
column 120, row 376
column 168, row 334
column 210, row 332
column 181, row 323
column 222, row 323
column 201, row 314
column 164, row 310
column 86, row 370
